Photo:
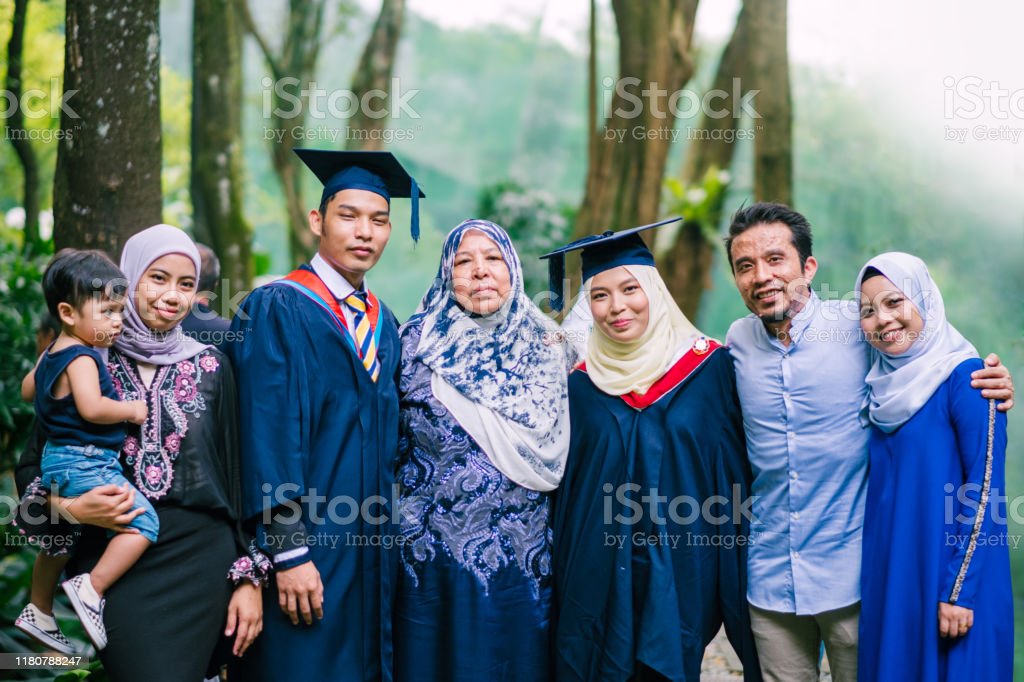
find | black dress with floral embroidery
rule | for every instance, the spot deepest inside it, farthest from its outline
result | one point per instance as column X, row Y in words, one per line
column 164, row 617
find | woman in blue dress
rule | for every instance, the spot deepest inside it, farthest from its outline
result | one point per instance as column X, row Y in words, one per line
column 935, row 584
column 483, row 438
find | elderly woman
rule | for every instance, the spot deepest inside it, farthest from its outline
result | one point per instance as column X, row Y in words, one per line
column 166, row 616
column 935, row 585
column 483, row 437
column 649, row 524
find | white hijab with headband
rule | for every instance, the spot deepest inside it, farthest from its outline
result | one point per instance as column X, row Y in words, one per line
column 901, row 384
column 137, row 340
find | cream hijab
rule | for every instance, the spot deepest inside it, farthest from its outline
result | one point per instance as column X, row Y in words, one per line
column 620, row 368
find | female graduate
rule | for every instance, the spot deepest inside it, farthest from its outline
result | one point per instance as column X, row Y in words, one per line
column 649, row 527
column 935, row 585
column 483, row 439
column 165, row 616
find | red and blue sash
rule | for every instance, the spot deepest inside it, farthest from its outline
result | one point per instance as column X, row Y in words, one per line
column 309, row 284
column 702, row 349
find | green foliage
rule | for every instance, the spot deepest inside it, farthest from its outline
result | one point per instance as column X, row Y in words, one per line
column 21, row 307
column 42, row 69
column 15, row 583
column 700, row 203
column 534, row 220
column 175, row 124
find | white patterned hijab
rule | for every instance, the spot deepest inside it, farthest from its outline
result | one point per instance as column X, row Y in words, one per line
column 504, row 376
column 901, row 384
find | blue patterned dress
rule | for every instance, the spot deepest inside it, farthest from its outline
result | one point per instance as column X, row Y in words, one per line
column 473, row 596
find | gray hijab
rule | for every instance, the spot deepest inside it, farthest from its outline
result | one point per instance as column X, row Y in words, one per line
column 137, row 340
column 900, row 385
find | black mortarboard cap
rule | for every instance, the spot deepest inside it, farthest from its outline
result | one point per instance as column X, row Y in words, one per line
column 377, row 172
column 600, row 252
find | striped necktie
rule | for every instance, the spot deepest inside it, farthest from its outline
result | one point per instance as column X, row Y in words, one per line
column 363, row 333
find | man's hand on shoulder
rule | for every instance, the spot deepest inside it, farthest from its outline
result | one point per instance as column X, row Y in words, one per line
column 995, row 382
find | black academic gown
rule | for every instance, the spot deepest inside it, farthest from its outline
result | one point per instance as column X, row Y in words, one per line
column 640, row 594
column 314, row 424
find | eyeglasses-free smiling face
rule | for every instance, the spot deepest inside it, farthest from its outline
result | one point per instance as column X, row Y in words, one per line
column 480, row 277
column 620, row 307
column 165, row 291
column 768, row 273
column 891, row 322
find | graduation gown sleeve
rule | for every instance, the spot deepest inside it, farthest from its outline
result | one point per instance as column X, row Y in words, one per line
column 274, row 418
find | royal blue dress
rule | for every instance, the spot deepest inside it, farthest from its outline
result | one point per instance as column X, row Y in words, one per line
column 473, row 596
column 925, row 543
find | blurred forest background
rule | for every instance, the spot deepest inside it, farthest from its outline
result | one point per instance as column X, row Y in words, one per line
column 523, row 113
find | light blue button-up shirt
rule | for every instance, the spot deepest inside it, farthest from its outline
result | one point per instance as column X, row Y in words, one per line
column 808, row 446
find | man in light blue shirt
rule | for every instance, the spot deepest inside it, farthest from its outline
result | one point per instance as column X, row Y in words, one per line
column 800, row 373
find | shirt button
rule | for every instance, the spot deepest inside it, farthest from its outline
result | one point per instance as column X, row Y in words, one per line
column 795, row 515
column 790, row 435
column 794, row 475
column 796, row 555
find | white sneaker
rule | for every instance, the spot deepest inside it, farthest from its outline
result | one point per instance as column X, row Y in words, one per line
column 44, row 628
column 89, row 608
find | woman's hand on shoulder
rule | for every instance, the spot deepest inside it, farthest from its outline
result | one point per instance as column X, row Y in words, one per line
column 245, row 616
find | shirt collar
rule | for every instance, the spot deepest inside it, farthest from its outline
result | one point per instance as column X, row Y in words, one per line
column 802, row 319
column 339, row 287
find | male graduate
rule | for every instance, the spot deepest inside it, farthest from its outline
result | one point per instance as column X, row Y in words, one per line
column 316, row 356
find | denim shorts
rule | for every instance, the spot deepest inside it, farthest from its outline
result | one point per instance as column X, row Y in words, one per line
column 77, row 469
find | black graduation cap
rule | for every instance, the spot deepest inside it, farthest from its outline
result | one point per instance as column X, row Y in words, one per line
column 377, row 172
column 601, row 252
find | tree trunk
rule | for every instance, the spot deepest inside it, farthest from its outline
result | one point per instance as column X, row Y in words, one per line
column 16, row 128
column 292, row 69
column 592, row 136
column 686, row 265
column 769, row 64
column 216, row 177
column 107, row 181
column 374, row 72
column 624, row 177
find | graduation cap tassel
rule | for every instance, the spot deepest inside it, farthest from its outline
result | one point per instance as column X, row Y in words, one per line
column 600, row 252
column 556, row 277
column 414, row 221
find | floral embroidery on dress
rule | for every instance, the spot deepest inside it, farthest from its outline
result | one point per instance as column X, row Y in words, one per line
column 253, row 566
column 172, row 397
column 455, row 501
column 39, row 525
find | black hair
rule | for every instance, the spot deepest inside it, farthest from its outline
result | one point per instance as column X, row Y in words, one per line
column 871, row 272
column 325, row 202
column 209, row 271
column 74, row 276
column 765, row 213
column 49, row 324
